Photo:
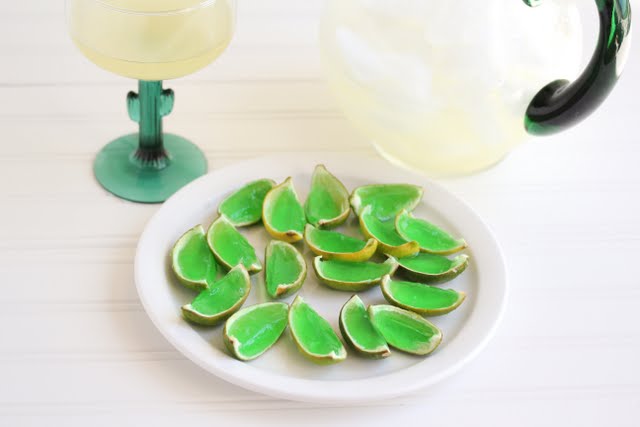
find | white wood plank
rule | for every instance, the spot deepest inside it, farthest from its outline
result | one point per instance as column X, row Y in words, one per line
column 68, row 66
column 583, row 411
column 230, row 100
column 157, row 383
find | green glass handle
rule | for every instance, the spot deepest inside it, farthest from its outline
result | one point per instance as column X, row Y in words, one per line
column 562, row 104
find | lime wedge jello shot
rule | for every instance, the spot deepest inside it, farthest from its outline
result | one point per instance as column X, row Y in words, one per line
column 433, row 269
column 334, row 245
column 192, row 261
column 282, row 214
column 352, row 276
column 405, row 330
column 386, row 200
column 420, row 298
column 431, row 238
column 244, row 206
column 230, row 247
column 220, row 300
column 285, row 269
column 252, row 331
column 384, row 232
column 359, row 332
column 327, row 205
column 313, row 335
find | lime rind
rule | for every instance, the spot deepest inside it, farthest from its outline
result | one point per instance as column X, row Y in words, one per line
column 257, row 330
column 237, row 276
column 327, row 205
column 295, row 260
column 244, row 206
column 413, row 324
column 201, row 280
column 391, row 265
column 281, row 205
column 411, row 269
column 387, row 200
column 237, row 251
column 416, row 304
column 431, row 238
column 384, row 232
column 323, row 330
column 381, row 349
column 354, row 250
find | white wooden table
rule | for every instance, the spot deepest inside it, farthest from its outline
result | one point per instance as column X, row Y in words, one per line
column 76, row 347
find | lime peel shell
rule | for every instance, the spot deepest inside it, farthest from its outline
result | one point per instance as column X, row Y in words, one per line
column 413, row 330
column 250, row 260
column 333, row 356
column 431, row 238
column 355, row 286
column 378, row 352
column 249, row 198
column 283, row 290
column 399, row 248
column 312, row 237
column 236, row 273
column 186, row 239
column 458, row 266
column 293, row 232
column 234, row 345
column 323, row 181
column 386, row 286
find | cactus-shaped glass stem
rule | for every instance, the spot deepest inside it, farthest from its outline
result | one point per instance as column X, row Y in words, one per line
column 148, row 166
column 147, row 108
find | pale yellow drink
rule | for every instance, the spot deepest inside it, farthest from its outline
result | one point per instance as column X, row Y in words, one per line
column 442, row 87
column 151, row 39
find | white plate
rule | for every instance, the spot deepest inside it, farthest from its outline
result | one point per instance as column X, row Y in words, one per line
column 282, row 371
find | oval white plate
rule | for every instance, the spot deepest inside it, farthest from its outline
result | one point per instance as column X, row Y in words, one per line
column 282, row 371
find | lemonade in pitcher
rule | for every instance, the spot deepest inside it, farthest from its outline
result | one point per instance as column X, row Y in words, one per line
column 446, row 87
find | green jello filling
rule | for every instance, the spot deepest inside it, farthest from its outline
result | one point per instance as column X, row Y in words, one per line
column 257, row 328
column 328, row 199
column 384, row 231
column 387, row 200
column 321, row 204
column 358, row 326
column 245, row 205
column 332, row 241
column 231, row 247
column 428, row 263
column 221, row 295
column 422, row 296
column 353, row 271
column 195, row 260
column 283, row 266
column 429, row 236
column 287, row 212
column 313, row 332
column 403, row 331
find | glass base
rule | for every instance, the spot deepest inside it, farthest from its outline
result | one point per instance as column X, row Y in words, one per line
column 120, row 174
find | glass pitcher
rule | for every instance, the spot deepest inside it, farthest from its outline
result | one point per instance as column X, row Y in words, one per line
column 450, row 88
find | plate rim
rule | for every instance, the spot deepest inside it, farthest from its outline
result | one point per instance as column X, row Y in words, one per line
column 379, row 387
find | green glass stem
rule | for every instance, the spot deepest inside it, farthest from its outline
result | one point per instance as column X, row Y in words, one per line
column 148, row 166
column 561, row 104
column 147, row 108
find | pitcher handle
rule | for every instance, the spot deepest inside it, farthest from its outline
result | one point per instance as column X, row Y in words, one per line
column 562, row 104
